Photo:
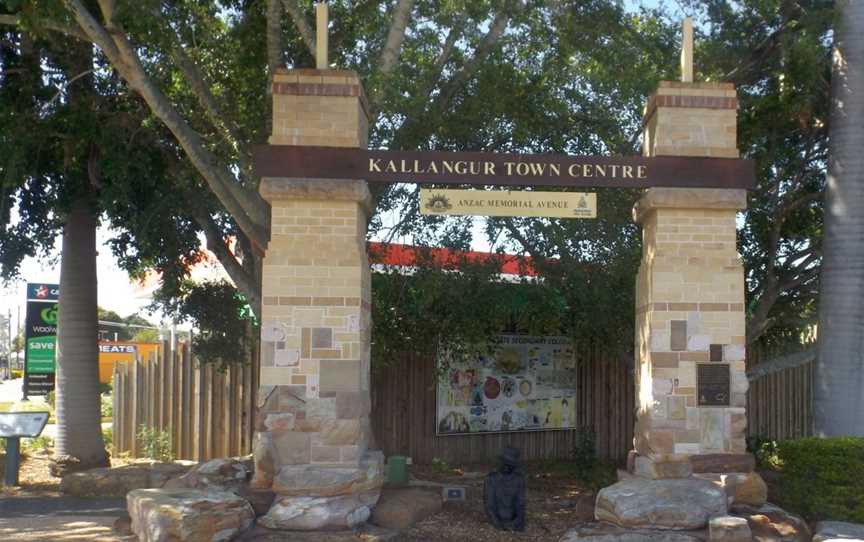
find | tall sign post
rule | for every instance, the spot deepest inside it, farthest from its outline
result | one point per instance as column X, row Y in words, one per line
column 40, row 338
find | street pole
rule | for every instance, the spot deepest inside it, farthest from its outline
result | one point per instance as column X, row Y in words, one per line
column 24, row 365
column 11, row 343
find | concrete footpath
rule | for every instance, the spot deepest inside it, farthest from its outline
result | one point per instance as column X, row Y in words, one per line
column 28, row 519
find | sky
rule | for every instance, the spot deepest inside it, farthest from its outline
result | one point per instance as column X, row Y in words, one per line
column 116, row 291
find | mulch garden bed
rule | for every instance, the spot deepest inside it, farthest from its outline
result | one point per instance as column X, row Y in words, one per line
column 556, row 503
column 33, row 476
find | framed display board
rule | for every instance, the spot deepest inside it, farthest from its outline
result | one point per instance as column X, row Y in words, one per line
column 520, row 383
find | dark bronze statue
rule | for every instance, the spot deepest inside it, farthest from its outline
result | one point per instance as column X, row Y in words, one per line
column 504, row 493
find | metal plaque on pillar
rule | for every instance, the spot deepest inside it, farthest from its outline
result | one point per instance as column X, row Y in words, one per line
column 713, row 384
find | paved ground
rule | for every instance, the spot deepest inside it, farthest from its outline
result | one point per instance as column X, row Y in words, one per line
column 10, row 390
column 51, row 518
column 31, row 519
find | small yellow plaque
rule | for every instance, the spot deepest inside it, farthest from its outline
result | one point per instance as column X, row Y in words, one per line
column 501, row 203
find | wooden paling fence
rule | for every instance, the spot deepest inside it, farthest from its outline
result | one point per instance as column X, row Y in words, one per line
column 403, row 414
column 207, row 413
column 780, row 398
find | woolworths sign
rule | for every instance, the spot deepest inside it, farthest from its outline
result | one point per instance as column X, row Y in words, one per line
column 40, row 338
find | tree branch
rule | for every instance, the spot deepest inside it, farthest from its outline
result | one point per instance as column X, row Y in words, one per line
column 274, row 36
column 47, row 24
column 443, row 57
column 460, row 78
column 487, row 44
column 217, row 245
column 398, row 24
column 302, row 25
column 390, row 52
column 226, row 128
column 247, row 207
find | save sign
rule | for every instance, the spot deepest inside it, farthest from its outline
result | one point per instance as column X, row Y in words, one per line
column 40, row 338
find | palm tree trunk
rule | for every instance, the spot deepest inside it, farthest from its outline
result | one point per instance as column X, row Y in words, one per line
column 839, row 390
column 79, row 443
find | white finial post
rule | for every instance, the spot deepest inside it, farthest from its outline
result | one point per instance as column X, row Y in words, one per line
column 321, row 52
column 687, row 51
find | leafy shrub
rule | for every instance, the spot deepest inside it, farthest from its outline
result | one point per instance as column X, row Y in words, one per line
column 51, row 399
column 42, row 442
column 17, row 373
column 821, row 479
column 106, row 405
column 440, row 465
column 108, row 437
column 585, row 452
column 764, row 450
column 155, row 444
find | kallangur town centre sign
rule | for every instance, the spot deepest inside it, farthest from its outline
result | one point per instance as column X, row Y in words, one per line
column 485, row 169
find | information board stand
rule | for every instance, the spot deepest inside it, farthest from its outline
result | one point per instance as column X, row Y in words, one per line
column 13, row 426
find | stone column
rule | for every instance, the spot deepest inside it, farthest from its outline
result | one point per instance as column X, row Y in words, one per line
column 690, row 296
column 313, row 422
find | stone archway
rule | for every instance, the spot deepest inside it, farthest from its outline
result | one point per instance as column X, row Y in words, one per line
column 313, row 435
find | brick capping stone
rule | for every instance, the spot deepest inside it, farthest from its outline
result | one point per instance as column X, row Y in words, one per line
column 689, row 198
column 689, row 307
column 312, row 82
column 704, row 95
column 691, row 119
column 704, row 102
column 286, row 188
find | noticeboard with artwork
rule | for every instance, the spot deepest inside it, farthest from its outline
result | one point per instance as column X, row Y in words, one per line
column 518, row 383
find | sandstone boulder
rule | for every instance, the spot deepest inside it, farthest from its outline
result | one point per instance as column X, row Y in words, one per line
column 400, row 508
column 671, row 466
column 660, row 504
column 226, row 474
column 742, row 488
column 117, row 481
column 260, row 499
column 723, row 463
column 600, row 532
column 191, row 515
column 729, row 529
column 838, row 531
column 323, row 481
column 320, row 513
column 770, row 523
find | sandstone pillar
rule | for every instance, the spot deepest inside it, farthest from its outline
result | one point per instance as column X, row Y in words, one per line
column 690, row 383
column 313, row 421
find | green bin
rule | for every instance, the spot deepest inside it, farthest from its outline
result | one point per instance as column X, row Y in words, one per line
column 397, row 470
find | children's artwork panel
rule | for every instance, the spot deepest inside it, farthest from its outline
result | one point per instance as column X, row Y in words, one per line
column 516, row 383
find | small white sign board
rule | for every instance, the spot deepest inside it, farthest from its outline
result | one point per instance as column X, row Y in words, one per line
column 22, row 424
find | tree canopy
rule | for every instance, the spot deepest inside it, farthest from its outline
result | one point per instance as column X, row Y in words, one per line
column 181, row 96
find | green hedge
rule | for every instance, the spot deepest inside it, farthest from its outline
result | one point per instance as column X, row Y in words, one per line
column 822, row 479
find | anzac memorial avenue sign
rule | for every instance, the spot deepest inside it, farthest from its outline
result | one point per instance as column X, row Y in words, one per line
column 481, row 168
column 506, row 203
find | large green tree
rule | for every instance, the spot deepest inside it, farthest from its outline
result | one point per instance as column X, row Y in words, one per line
column 839, row 401
column 72, row 154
